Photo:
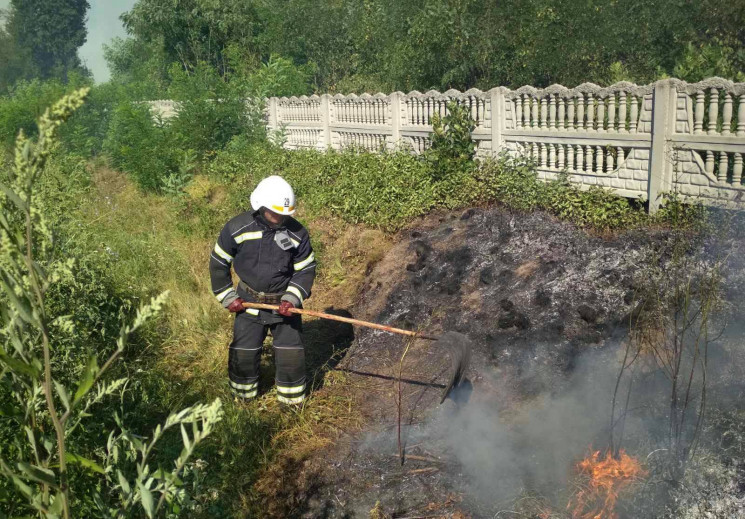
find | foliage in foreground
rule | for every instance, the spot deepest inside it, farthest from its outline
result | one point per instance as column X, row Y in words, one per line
column 49, row 454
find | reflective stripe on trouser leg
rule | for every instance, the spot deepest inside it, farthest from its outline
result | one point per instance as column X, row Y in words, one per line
column 244, row 356
column 289, row 357
column 246, row 391
column 291, row 394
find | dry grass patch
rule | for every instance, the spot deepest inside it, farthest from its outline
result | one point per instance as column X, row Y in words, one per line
column 347, row 254
column 203, row 188
column 527, row 269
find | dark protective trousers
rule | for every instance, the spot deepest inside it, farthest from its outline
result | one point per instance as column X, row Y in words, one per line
column 244, row 356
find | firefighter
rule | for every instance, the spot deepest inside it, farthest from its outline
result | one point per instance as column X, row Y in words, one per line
column 271, row 255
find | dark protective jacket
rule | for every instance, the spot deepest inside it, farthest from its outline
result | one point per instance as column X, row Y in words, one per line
column 247, row 242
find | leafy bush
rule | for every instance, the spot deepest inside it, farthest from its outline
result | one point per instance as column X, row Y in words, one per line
column 452, row 145
column 381, row 190
column 86, row 130
column 164, row 155
column 706, row 60
column 277, row 77
column 512, row 181
column 26, row 102
column 387, row 190
column 679, row 214
column 451, row 156
column 594, row 207
column 212, row 110
column 136, row 145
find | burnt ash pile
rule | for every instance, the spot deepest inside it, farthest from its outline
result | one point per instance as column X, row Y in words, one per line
column 544, row 304
column 529, row 291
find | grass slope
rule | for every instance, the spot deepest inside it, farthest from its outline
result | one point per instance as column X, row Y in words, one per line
column 161, row 243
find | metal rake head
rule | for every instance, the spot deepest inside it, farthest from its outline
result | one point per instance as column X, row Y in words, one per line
column 460, row 356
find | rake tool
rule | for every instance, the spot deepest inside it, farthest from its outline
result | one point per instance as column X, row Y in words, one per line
column 457, row 343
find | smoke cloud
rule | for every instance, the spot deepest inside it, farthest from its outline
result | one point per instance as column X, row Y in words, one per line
column 503, row 454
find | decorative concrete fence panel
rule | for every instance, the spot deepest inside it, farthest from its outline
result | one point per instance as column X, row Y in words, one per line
column 164, row 110
column 707, row 141
column 638, row 141
column 600, row 136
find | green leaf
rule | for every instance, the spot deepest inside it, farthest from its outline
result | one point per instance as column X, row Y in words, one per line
column 13, row 196
column 147, row 500
column 123, row 482
column 8, row 408
column 84, row 462
column 23, row 488
column 39, row 474
column 167, row 476
column 20, row 303
column 56, row 508
column 86, row 381
column 185, row 437
column 19, row 366
column 62, row 392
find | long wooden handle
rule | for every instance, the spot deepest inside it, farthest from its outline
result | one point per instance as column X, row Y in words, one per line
column 262, row 306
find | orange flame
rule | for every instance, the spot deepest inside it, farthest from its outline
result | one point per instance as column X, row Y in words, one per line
column 607, row 477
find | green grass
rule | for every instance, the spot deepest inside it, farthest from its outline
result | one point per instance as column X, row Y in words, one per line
column 147, row 243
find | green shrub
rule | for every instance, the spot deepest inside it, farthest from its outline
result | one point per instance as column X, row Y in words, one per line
column 681, row 215
column 452, row 147
column 147, row 151
column 450, row 157
column 594, row 207
column 514, row 182
column 88, row 297
column 26, row 101
column 387, row 190
column 212, row 110
column 87, row 129
column 277, row 77
column 510, row 180
column 381, row 190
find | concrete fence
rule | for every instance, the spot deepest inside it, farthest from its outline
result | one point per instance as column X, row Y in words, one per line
column 637, row 141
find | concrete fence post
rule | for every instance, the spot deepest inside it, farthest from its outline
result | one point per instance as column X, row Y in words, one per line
column 496, row 97
column 326, row 121
column 395, row 107
column 272, row 113
column 660, row 167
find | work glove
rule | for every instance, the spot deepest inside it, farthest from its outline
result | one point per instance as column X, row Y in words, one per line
column 236, row 306
column 284, row 308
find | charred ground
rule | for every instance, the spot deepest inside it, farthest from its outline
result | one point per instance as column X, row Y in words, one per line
column 547, row 307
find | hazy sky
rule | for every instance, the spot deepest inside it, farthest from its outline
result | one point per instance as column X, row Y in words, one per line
column 103, row 24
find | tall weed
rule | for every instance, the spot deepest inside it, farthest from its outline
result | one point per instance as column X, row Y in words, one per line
column 52, row 379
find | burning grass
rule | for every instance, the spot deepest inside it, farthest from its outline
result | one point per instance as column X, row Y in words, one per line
column 607, row 476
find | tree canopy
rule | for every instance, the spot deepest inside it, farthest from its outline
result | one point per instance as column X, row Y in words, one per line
column 371, row 45
column 41, row 39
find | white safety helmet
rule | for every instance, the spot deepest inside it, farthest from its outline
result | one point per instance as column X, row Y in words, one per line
column 275, row 194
